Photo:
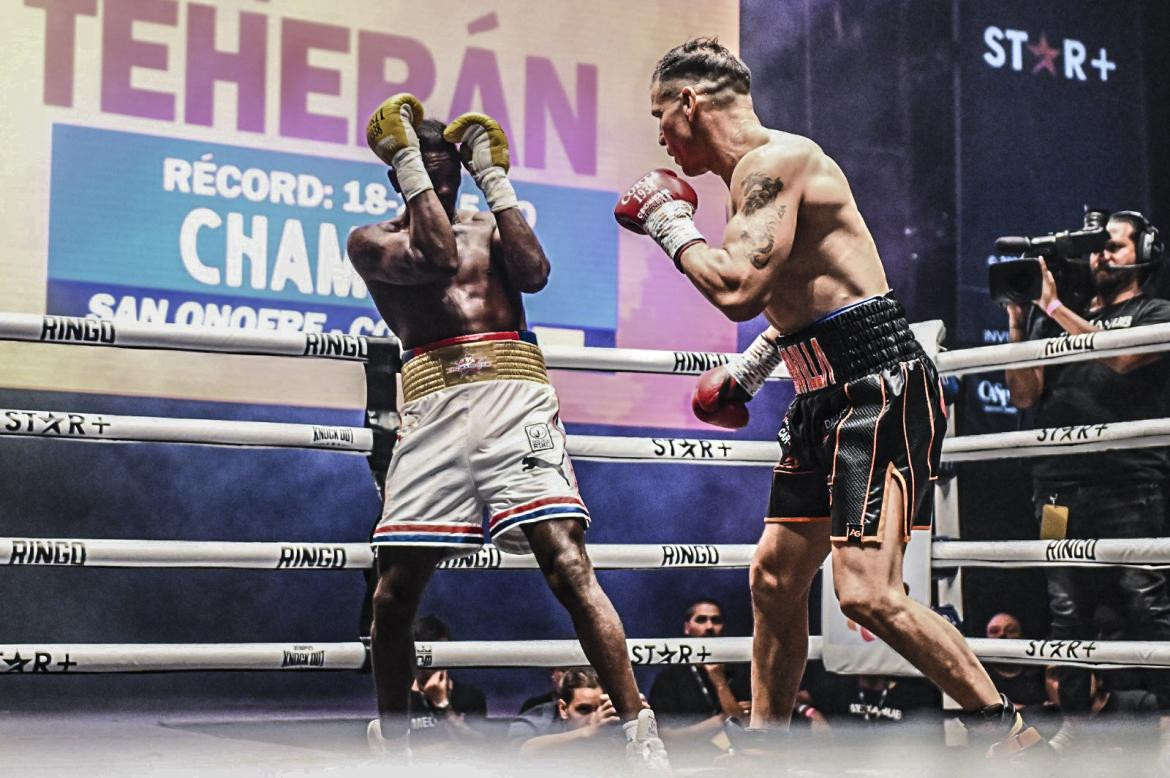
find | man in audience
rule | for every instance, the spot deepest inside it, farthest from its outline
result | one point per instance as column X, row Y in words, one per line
column 442, row 709
column 1023, row 684
column 580, row 716
column 693, row 701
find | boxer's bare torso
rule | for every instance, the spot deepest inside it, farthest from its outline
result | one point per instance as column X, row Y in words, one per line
column 423, row 307
column 794, row 213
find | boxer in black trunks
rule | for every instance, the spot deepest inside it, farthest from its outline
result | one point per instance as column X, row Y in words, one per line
column 861, row 442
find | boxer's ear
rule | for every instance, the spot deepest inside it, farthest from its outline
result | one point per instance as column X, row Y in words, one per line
column 690, row 101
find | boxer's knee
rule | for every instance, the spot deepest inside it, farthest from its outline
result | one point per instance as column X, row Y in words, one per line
column 569, row 573
column 775, row 589
column 396, row 599
column 874, row 607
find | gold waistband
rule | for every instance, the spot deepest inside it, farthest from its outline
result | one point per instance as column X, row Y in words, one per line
column 469, row 363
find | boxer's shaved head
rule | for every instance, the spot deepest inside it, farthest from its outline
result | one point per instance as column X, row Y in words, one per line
column 705, row 64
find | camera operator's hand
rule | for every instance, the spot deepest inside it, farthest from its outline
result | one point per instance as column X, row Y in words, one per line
column 1016, row 321
column 1049, row 300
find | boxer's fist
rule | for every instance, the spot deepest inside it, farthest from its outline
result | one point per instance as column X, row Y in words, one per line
column 720, row 400
column 483, row 143
column 483, row 146
column 661, row 205
column 391, row 127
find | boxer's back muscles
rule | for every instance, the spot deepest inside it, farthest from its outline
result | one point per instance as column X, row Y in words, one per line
column 425, row 299
column 795, row 221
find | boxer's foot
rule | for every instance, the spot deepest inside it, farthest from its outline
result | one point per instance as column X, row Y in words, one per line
column 397, row 749
column 644, row 749
column 1009, row 734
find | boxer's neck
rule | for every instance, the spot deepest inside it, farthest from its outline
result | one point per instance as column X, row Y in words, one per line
column 735, row 132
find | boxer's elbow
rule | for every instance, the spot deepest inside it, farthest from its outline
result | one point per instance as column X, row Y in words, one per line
column 740, row 304
column 536, row 278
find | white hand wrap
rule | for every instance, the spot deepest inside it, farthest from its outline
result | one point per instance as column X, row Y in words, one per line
column 496, row 188
column 673, row 227
column 412, row 176
column 751, row 368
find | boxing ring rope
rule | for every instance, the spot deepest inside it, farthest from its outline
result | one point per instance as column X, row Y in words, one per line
column 78, row 552
column 1150, row 553
column 75, row 330
column 254, row 656
column 80, row 331
column 98, row 427
column 58, row 658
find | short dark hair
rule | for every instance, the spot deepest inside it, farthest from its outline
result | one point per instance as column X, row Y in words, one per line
column 431, row 628
column 430, row 138
column 576, row 678
column 1137, row 223
column 705, row 59
column 705, row 601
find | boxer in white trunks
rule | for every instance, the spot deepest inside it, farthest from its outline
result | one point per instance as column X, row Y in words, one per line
column 480, row 422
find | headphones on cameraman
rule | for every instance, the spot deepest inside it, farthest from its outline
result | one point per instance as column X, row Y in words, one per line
column 1148, row 246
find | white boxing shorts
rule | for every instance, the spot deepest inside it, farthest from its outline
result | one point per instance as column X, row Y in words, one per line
column 480, row 430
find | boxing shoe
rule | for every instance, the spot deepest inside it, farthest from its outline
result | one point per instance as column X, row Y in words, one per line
column 396, row 749
column 1003, row 725
column 644, row 749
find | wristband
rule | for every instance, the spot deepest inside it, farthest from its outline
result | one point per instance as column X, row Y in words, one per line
column 673, row 228
column 751, row 368
column 496, row 188
column 1053, row 307
column 412, row 176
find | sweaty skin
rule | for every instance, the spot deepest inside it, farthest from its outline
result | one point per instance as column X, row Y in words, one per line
column 776, row 180
column 428, row 294
column 438, row 273
column 793, row 276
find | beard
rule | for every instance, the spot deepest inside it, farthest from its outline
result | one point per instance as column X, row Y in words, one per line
column 1110, row 282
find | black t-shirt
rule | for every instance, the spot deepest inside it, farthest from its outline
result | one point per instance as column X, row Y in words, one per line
column 1089, row 392
column 683, row 694
column 429, row 726
column 900, row 699
column 1024, row 688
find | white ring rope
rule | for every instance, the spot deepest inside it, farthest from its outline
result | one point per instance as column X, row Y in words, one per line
column 54, row 658
column 68, row 425
column 1149, row 553
column 1050, row 351
column 1128, row 552
column 76, row 330
column 152, row 429
column 77, row 552
column 81, row 331
column 166, row 657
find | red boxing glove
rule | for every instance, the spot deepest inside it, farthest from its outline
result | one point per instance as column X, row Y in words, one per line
column 661, row 205
column 720, row 400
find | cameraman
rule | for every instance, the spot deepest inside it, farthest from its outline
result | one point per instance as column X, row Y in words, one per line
column 1107, row 494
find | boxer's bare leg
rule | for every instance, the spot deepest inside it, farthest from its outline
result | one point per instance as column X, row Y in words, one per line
column 868, row 581
column 403, row 573
column 559, row 546
column 786, row 562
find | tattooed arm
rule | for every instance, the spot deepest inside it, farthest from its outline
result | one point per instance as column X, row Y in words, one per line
column 766, row 192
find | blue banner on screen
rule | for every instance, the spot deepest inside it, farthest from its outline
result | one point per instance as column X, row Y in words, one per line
column 143, row 227
column 1050, row 120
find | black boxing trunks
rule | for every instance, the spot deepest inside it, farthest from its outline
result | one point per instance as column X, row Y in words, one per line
column 868, row 410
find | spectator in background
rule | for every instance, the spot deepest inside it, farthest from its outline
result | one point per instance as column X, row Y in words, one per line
column 882, row 700
column 581, row 715
column 1023, row 684
column 693, row 701
column 554, row 675
column 442, row 709
column 1106, row 494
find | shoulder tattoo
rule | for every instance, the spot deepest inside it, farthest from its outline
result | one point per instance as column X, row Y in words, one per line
column 759, row 190
column 761, row 237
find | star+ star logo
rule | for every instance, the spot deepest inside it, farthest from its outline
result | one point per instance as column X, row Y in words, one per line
column 1006, row 47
